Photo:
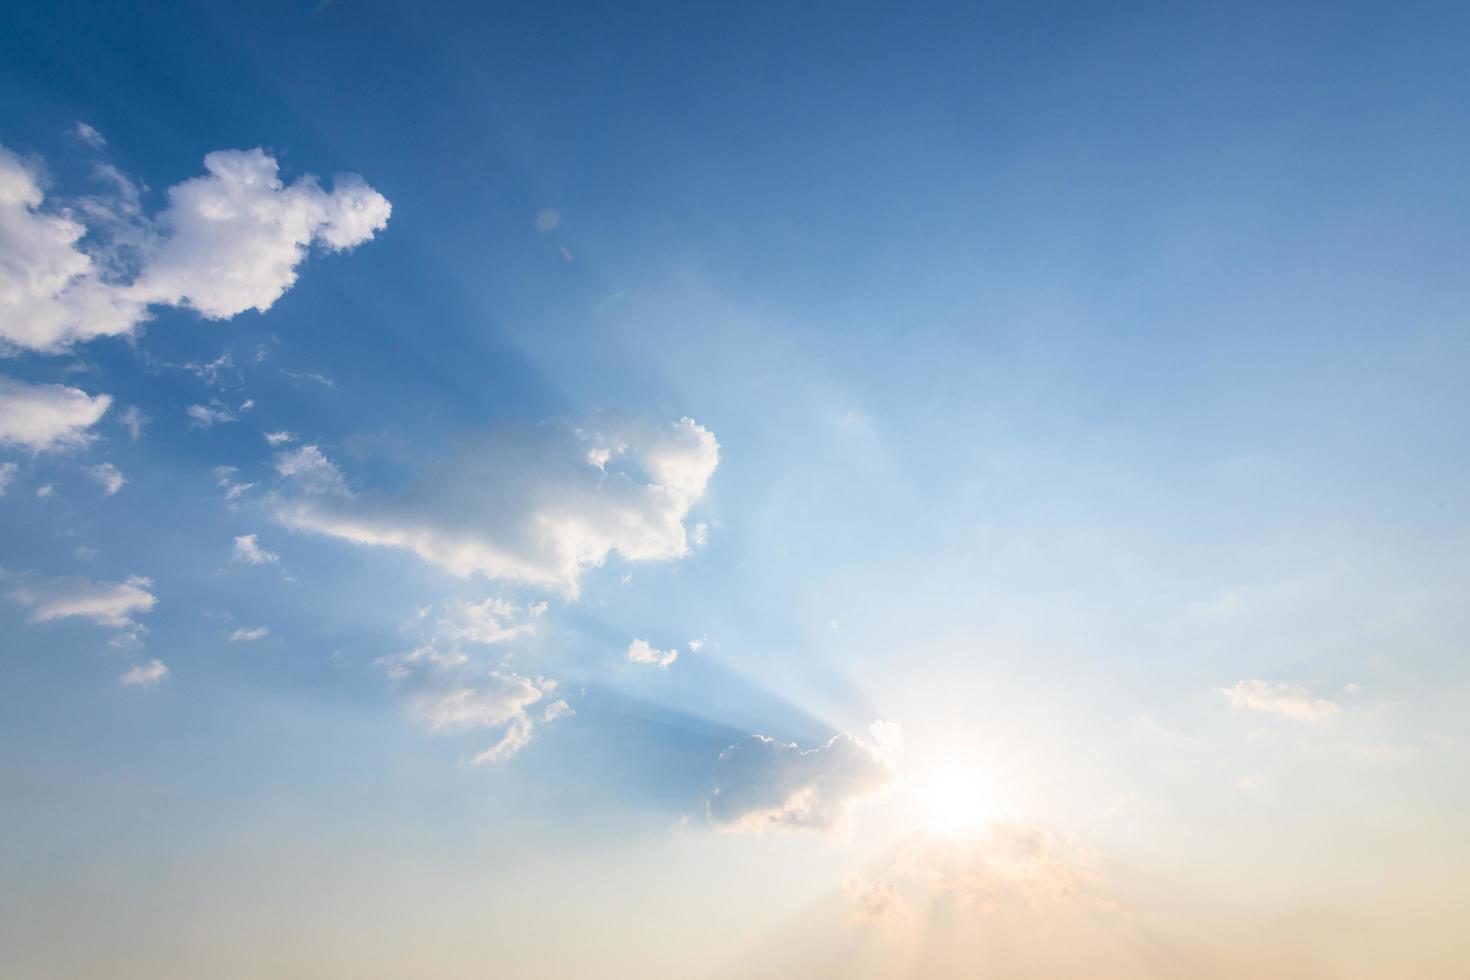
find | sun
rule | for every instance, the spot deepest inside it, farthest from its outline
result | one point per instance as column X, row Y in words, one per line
column 955, row 798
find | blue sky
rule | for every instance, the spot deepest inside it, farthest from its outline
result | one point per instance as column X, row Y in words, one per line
column 1036, row 430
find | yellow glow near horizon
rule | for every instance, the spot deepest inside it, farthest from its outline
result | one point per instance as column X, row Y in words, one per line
column 955, row 798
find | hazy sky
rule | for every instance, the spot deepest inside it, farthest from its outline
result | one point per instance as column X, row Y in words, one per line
column 678, row 490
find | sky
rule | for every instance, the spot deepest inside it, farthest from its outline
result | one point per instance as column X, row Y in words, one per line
column 669, row 490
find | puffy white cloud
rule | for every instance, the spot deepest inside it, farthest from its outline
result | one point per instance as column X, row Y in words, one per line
column 145, row 675
column 108, row 477
column 249, row 551
column 641, row 653
column 232, row 239
column 763, row 784
column 112, row 604
column 535, row 505
column 280, row 438
column 500, row 701
column 48, row 418
column 243, row 635
column 51, row 292
column 7, row 473
column 228, row 241
column 1286, row 700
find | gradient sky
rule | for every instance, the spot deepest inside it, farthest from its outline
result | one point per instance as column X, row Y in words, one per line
column 816, row 490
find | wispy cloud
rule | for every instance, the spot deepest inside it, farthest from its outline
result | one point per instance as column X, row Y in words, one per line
column 110, row 604
column 248, row 550
column 1285, row 700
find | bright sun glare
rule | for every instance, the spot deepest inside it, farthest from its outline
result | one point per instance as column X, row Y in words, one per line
column 955, row 799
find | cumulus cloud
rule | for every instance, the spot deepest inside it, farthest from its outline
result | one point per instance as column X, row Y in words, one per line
column 111, row 604
column 1285, row 700
column 145, row 675
column 641, row 653
column 243, row 635
column 7, row 473
column 763, row 784
column 498, row 701
column 228, row 241
column 280, row 438
column 52, row 293
column 108, row 477
column 224, row 478
column 249, row 551
column 535, row 505
column 48, row 418
column 557, row 709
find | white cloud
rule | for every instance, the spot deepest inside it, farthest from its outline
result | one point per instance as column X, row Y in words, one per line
column 491, row 621
column 48, row 418
column 132, row 419
column 227, row 242
column 233, row 239
column 249, row 551
column 243, row 635
column 499, row 702
column 641, row 653
column 316, row 376
column 224, row 478
column 111, row 604
column 403, row 665
column 1286, row 700
column 311, row 471
column 763, row 784
column 45, row 490
column 557, row 709
column 280, row 438
column 536, row 505
column 217, row 412
column 145, row 675
column 51, row 292
column 89, row 135
column 108, row 477
column 7, row 473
